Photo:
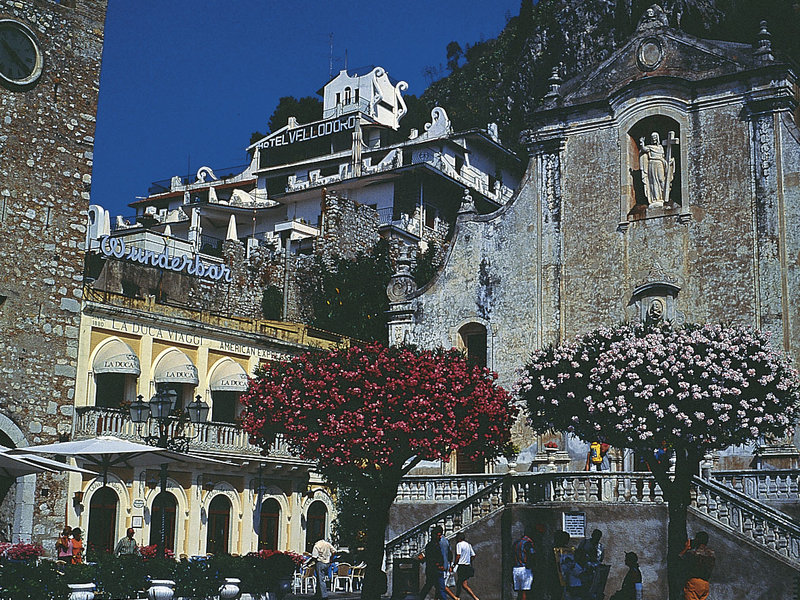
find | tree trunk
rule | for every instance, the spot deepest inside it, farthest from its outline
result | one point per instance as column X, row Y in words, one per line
column 677, row 495
column 380, row 500
column 679, row 499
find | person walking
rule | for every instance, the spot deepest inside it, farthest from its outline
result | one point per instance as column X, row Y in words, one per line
column 524, row 551
column 77, row 546
column 322, row 553
column 434, row 566
column 447, row 557
column 64, row 545
column 464, row 569
column 699, row 560
column 127, row 546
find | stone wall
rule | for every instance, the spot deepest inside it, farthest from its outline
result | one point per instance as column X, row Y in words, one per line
column 348, row 229
column 46, row 144
column 742, row 572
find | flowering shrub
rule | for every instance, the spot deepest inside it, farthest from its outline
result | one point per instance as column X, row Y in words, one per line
column 367, row 415
column 148, row 552
column 636, row 386
column 691, row 389
column 371, row 407
column 23, row 551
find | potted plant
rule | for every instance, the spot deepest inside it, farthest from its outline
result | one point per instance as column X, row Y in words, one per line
column 81, row 581
column 161, row 572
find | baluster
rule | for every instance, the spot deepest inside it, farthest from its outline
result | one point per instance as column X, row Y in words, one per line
column 658, row 495
column 783, row 486
column 761, row 487
column 723, row 516
column 606, row 488
column 758, row 530
column 701, row 500
column 769, row 536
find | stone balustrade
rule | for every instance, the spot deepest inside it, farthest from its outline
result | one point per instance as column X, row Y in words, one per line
column 453, row 488
column 211, row 437
column 732, row 510
column 762, row 485
column 727, row 507
column 484, row 502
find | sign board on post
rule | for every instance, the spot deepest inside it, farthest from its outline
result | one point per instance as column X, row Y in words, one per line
column 574, row 523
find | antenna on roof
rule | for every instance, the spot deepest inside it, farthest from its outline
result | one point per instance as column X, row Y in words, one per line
column 345, row 59
column 330, row 60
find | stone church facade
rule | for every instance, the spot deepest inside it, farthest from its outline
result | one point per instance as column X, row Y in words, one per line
column 665, row 181
column 48, row 101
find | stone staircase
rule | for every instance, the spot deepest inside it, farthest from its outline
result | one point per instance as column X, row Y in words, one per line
column 716, row 500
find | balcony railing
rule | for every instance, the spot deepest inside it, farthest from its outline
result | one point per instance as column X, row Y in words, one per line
column 210, row 437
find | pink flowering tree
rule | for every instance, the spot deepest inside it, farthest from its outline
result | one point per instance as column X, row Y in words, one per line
column 693, row 389
column 369, row 414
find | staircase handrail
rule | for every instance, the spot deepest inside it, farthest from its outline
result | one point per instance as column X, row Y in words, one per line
column 443, row 488
column 442, row 515
column 776, row 484
column 780, row 533
column 774, row 515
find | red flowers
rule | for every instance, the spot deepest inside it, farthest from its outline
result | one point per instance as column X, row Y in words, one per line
column 371, row 407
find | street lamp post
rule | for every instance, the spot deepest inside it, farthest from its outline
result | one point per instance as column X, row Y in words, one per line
column 169, row 438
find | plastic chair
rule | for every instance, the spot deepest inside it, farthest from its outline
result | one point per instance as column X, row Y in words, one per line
column 343, row 578
column 308, row 580
column 357, row 575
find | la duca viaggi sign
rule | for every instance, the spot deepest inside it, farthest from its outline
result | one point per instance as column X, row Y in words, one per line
column 191, row 264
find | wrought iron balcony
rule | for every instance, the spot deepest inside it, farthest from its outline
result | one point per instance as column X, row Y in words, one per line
column 210, row 437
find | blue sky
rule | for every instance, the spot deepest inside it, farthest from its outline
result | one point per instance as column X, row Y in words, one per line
column 185, row 82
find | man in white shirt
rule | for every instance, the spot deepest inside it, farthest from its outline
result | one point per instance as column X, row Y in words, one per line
column 322, row 552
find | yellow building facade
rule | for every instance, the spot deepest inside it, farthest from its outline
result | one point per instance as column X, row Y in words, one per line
column 131, row 347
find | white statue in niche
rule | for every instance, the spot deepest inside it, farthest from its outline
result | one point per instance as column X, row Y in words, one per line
column 658, row 167
column 656, row 311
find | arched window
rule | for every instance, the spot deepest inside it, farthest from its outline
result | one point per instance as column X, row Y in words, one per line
column 103, row 520
column 227, row 383
column 219, row 522
column 164, row 504
column 472, row 341
column 316, row 522
column 347, row 95
column 268, row 528
column 116, row 368
column 176, row 371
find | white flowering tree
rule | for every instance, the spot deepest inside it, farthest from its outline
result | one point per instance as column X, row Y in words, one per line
column 642, row 386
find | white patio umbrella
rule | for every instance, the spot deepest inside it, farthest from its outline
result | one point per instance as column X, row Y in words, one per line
column 48, row 464
column 15, row 466
column 105, row 452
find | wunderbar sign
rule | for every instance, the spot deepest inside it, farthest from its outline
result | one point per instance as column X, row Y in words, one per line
column 117, row 248
column 310, row 132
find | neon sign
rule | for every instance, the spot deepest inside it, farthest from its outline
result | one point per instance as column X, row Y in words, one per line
column 116, row 247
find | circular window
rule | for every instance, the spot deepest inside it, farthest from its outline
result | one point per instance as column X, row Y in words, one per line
column 649, row 54
column 21, row 58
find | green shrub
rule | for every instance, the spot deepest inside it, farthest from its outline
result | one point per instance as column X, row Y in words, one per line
column 28, row 580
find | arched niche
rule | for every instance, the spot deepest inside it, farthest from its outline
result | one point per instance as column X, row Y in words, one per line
column 637, row 121
column 24, row 496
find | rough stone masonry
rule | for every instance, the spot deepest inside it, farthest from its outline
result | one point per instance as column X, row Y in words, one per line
column 46, row 143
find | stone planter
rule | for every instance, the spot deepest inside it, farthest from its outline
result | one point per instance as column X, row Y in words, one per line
column 81, row 591
column 230, row 589
column 161, row 589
